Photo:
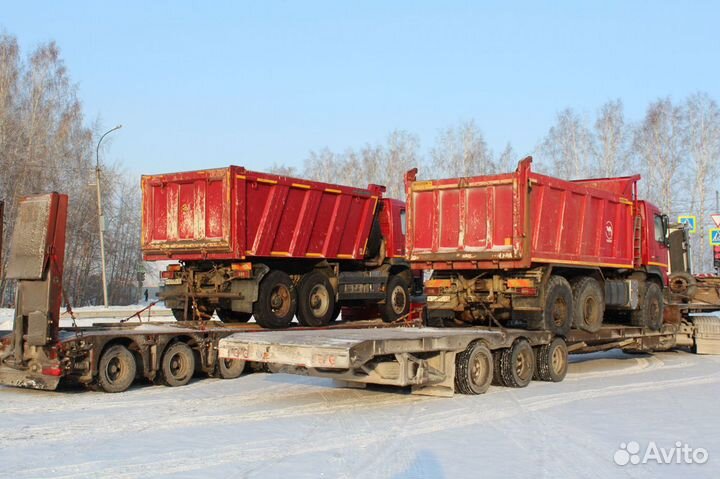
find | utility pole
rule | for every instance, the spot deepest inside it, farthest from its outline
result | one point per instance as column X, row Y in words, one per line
column 101, row 218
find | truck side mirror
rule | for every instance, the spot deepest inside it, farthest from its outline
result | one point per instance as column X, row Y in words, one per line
column 666, row 230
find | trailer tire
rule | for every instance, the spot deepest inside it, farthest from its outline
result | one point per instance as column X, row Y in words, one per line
column 551, row 361
column 397, row 299
column 474, row 369
column 277, row 301
column 588, row 304
column 557, row 312
column 178, row 364
column 316, row 300
column 117, row 369
column 230, row 368
column 517, row 364
column 230, row 316
column 650, row 314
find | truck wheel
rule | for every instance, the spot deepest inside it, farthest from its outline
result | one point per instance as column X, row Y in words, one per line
column 557, row 312
column 650, row 314
column 316, row 300
column 230, row 316
column 178, row 364
column 473, row 369
column 116, row 369
column 397, row 299
column 277, row 301
column 517, row 364
column 551, row 361
column 588, row 303
column 230, row 368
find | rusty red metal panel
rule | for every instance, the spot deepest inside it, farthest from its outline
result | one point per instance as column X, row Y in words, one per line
column 481, row 222
column 232, row 213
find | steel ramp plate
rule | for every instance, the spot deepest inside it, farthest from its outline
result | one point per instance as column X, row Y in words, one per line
column 338, row 349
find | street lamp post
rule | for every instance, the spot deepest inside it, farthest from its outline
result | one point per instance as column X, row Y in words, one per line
column 101, row 218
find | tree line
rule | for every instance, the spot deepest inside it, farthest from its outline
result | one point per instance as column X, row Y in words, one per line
column 675, row 146
column 46, row 145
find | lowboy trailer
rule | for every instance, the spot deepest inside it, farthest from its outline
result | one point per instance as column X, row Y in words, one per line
column 444, row 361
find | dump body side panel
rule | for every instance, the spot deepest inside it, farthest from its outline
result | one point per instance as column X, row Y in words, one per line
column 231, row 213
column 579, row 225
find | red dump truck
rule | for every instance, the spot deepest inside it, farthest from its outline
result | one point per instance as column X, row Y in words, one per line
column 528, row 248
column 272, row 247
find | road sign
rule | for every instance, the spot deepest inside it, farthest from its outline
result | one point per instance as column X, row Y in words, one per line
column 715, row 236
column 689, row 220
column 716, row 219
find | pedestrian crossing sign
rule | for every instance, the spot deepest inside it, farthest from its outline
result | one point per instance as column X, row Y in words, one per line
column 715, row 237
column 690, row 221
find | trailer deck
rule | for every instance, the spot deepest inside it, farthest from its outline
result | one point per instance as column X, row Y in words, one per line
column 424, row 358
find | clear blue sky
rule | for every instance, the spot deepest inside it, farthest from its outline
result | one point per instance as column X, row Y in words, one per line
column 201, row 84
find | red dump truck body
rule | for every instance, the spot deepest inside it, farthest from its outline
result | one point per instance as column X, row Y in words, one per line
column 233, row 213
column 514, row 220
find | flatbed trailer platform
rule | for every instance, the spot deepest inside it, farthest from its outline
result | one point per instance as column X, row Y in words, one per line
column 439, row 361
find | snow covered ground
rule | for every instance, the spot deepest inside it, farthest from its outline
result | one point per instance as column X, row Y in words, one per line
column 264, row 425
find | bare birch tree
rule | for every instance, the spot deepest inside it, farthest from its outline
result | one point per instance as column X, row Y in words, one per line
column 612, row 137
column 702, row 129
column 659, row 144
column 461, row 151
column 568, row 146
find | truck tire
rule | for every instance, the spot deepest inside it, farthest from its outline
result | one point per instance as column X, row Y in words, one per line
column 316, row 300
column 116, row 369
column 650, row 314
column 557, row 312
column 178, row 364
column 277, row 301
column 517, row 364
column 230, row 316
column 588, row 304
column 230, row 368
column 551, row 361
column 397, row 299
column 474, row 369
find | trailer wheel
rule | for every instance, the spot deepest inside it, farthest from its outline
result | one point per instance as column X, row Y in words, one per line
column 230, row 316
column 178, row 364
column 116, row 369
column 588, row 303
column 474, row 369
column 650, row 314
column 230, row 368
column 551, row 361
column 316, row 300
column 517, row 364
column 277, row 301
column 557, row 312
column 397, row 299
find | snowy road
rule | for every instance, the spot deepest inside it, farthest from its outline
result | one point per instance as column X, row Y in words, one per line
column 263, row 425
